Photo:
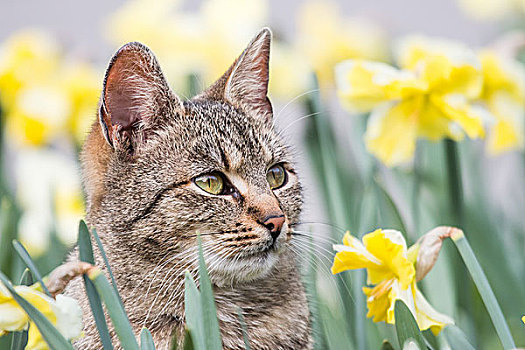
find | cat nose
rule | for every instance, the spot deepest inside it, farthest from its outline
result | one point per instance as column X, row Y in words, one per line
column 274, row 224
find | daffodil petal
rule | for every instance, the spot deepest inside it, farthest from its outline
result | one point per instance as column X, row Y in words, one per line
column 389, row 247
column 392, row 131
column 508, row 131
column 446, row 65
column 427, row 316
column 397, row 292
column 459, row 112
column 362, row 85
column 69, row 316
column 352, row 255
column 12, row 317
column 378, row 301
column 502, row 75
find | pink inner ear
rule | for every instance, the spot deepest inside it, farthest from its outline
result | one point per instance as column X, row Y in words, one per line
column 120, row 103
column 129, row 90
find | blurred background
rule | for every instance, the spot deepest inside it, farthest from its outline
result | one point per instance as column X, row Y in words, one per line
column 52, row 59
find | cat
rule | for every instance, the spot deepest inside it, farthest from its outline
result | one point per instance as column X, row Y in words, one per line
column 157, row 169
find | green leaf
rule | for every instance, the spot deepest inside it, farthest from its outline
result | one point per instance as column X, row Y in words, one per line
column 406, row 325
column 243, row 328
column 8, row 231
column 50, row 334
column 146, row 341
column 85, row 250
column 457, row 340
column 27, row 278
column 24, row 255
column 19, row 339
column 209, row 311
column 484, row 289
column 193, row 311
column 188, row 341
column 115, row 310
column 105, row 258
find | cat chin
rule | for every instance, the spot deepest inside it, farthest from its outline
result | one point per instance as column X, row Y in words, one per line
column 245, row 269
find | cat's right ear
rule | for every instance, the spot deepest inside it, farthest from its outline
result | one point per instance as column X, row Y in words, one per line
column 134, row 97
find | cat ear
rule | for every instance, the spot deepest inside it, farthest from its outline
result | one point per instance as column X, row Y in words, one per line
column 245, row 84
column 135, row 95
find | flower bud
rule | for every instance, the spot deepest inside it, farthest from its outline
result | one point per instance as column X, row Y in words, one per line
column 429, row 248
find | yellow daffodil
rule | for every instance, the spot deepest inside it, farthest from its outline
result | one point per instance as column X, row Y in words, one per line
column 41, row 93
column 26, row 58
column 325, row 38
column 391, row 274
column 81, row 83
column 428, row 97
column 504, row 95
column 63, row 312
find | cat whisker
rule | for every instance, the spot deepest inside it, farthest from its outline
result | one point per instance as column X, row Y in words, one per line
column 314, row 237
column 291, row 101
column 326, row 269
column 280, row 133
column 168, row 275
column 331, row 225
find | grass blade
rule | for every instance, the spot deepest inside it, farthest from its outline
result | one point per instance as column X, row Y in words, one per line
column 193, row 311
column 188, row 341
column 85, row 250
column 406, row 325
column 457, row 340
column 50, row 334
column 146, row 341
column 243, row 328
column 27, row 278
column 105, row 258
column 24, row 255
column 115, row 310
column 19, row 339
column 209, row 311
column 484, row 289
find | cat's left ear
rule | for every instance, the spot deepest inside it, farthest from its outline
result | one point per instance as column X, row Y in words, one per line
column 135, row 97
column 245, row 84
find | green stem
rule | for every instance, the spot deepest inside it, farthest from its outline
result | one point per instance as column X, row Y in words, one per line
column 455, row 191
column 338, row 209
column 416, row 186
column 455, row 184
column 484, row 289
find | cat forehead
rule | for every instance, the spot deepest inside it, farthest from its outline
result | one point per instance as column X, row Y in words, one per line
column 216, row 133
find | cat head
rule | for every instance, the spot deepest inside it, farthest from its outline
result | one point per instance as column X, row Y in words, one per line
column 157, row 169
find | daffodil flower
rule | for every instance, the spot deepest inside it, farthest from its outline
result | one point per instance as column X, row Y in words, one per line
column 504, row 95
column 391, row 274
column 63, row 312
column 428, row 97
column 43, row 95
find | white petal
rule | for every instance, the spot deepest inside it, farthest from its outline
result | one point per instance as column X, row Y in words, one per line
column 69, row 316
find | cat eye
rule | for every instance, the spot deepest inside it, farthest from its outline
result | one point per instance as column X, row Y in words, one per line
column 276, row 176
column 212, row 183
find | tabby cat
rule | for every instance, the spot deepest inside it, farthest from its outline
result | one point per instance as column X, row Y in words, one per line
column 157, row 169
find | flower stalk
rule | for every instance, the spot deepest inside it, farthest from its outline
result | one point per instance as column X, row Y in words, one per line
column 484, row 289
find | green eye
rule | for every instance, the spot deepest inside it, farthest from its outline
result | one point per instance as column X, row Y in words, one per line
column 211, row 183
column 276, row 176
